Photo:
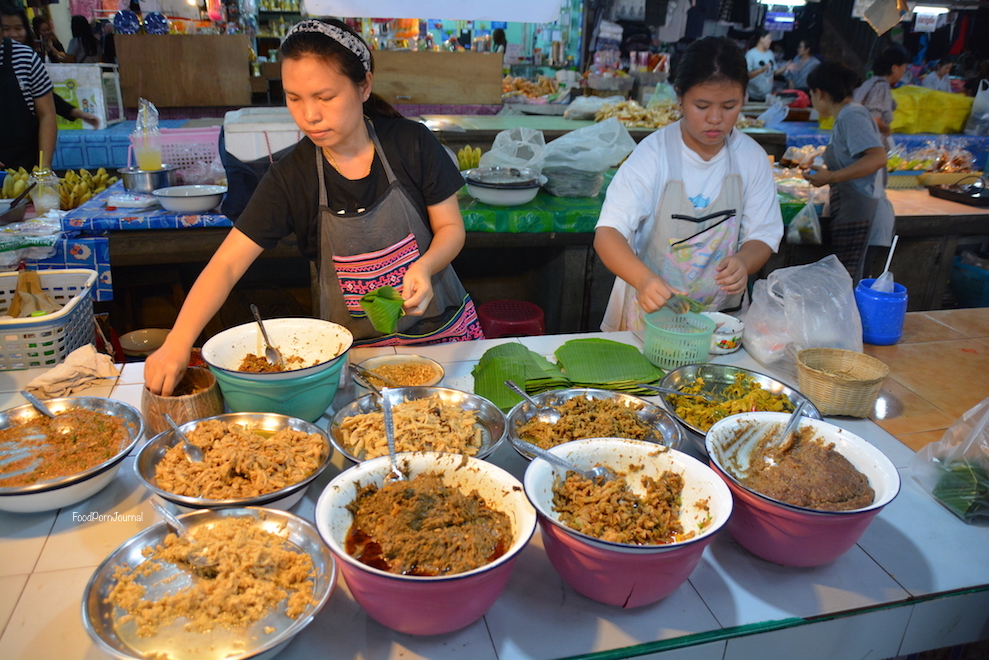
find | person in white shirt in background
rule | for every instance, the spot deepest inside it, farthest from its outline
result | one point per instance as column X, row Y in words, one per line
column 761, row 63
column 693, row 209
column 940, row 78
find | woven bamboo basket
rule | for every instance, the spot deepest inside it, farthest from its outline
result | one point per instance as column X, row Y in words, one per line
column 840, row 382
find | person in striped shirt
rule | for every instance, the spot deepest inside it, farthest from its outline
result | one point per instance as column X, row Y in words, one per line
column 27, row 106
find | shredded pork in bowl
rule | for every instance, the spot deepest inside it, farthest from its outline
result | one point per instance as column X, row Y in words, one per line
column 251, row 459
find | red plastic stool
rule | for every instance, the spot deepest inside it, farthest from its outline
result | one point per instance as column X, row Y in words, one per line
column 511, row 318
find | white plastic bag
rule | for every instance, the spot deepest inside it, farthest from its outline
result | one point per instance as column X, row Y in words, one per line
column 978, row 121
column 955, row 470
column 517, row 147
column 805, row 228
column 774, row 115
column 662, row 95
column 802, row 307
column 593, row 148
column 585, row 107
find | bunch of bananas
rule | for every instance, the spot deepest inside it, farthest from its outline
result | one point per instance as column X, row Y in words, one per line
column 78, row 187
column 469, row 157
column 14, row 183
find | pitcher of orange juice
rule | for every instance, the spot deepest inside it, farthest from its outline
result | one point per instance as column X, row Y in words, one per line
column 146, row 139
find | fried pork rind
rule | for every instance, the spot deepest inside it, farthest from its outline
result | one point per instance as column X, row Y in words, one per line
column 744, row 395
column 250, row 572
column 611, row 512
column 239, row 463
column 427, row 424
column 634, row 115
column 586, row 418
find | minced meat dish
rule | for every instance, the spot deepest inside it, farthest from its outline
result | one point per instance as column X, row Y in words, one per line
column 259, row 364
column 424, row 527
column 611, row 511
column 810, row 474
column 586, row 418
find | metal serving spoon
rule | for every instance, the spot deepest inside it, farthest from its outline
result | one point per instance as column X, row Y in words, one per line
column 192, row 452
column 201, row 564
column 38, row 404
column 394, row 473
column 271, row 354
column 707, row 396
column 368, row 374
column 600, row 472
column 544, row 414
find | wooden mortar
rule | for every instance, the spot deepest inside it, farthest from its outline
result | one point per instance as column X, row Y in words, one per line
column 196, row 396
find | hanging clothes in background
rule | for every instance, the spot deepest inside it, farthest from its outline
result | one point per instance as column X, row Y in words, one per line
column 676, row 21
column 695, row 19
column 958, row 47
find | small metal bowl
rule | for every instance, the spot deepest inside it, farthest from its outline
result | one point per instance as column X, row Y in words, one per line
column 121, row 641
column 147, row 181
column 373, row 363
column 154, row 450
column 490, row 417
column 66, row 491
column 665, row 430
column 716, row 378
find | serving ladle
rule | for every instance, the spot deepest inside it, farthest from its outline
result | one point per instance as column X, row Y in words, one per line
column 271, row 354
column 201, row 564
column 544, row 414
column 707, row 396
column 192, row 452
column 599, row 472
column 394, row 473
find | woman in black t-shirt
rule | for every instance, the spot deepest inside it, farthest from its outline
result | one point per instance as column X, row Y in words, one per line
column 370, row 196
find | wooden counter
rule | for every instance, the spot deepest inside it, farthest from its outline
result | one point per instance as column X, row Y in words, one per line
column 930, row 231
column 185, row 70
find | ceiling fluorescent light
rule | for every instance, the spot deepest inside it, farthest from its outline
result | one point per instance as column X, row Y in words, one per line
column 784, row 3
column 927, row 9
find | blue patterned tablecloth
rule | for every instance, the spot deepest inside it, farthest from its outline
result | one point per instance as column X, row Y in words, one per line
column 94, row 216
column 803, row 133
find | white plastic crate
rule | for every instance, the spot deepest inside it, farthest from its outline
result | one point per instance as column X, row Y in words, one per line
column 44, row 341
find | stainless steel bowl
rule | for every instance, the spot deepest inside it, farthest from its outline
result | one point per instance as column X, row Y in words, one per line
column 121, row 641
column 66, row 491
column 147, row 181
column 665, row 430
column 489, row 416
column 154, row 450
column 716, row 378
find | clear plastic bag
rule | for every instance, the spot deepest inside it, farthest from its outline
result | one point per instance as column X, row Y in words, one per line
column 517, row 147
column 802, row 307
column 585, row 107
column 805, row 228
column 663, row 94
column 955, row 470
column 774, row 115
column 593, row 148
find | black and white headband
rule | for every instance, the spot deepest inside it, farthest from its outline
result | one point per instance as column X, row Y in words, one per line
column 346, row 39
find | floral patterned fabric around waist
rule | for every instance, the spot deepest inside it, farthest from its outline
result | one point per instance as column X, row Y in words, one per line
column 363, row 273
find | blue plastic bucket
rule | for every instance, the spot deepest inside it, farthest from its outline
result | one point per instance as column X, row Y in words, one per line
column 882, row 313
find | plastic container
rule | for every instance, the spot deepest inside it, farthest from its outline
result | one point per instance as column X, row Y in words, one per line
column 252, row 133
column 44, row 341
column 969, row 283
column 45, row 194
column 673, row 340
column 882, row 313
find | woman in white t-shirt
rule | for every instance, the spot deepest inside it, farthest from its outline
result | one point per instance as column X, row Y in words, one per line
column 940, row 78
column 761, row 64
column 693, row 209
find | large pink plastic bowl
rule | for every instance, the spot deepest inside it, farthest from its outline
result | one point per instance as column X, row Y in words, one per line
column 617, row 573
column 793, row 535
column 419, row 605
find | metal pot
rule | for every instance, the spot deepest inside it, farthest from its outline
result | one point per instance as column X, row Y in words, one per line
column 147, row 181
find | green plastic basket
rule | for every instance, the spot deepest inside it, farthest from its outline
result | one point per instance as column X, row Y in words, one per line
column 673, row 340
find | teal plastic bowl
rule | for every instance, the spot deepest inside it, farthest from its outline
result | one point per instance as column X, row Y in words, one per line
column 305, row 397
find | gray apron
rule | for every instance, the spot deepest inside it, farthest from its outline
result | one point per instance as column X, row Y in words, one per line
column 852, row 215
column 360, row 252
